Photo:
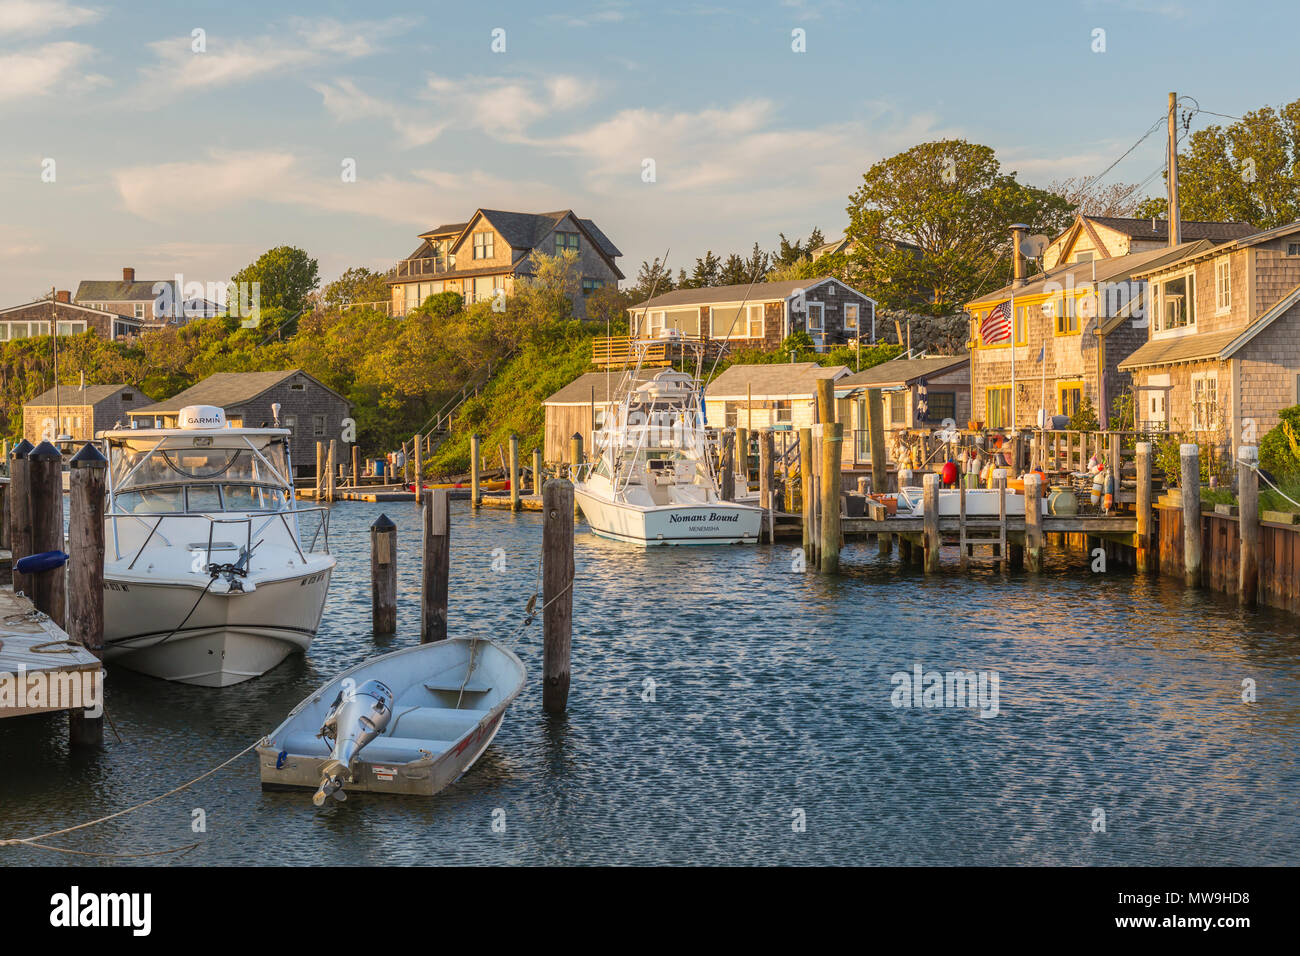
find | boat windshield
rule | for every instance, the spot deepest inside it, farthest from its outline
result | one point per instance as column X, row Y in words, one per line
column 159, row 479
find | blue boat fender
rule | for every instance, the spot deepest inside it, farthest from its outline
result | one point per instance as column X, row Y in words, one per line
column 45, row 561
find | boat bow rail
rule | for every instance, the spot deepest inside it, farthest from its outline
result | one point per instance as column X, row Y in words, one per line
column 183, row 527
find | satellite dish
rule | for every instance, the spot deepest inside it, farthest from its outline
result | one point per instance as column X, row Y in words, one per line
column 1031, row 247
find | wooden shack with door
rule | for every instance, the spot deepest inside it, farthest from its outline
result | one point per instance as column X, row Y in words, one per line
column 917, row 393
column 580, row 407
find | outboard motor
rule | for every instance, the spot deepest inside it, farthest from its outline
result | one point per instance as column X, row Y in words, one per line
column 356, row 717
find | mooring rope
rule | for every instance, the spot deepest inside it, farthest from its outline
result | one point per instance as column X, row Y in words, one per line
column 1255, row 468
column 32, row 840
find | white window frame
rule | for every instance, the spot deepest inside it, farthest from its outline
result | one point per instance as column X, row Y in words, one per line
column 1159, row 300
column 821, row 317
column 1207, row 421
column 484, row 245
column 851, row 317
column 1223, row 285
column 138, row 310
column 751, row 311
column 1293, row 248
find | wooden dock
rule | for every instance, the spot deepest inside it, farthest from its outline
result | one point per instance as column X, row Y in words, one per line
column 31, row 645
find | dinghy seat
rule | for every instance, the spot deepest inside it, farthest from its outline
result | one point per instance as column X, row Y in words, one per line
column 379, row 750
column 434, row 723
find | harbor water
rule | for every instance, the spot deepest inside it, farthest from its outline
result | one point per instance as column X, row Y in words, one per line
column 728, row 708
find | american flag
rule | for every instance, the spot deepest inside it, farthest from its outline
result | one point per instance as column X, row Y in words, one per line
column 996, row 326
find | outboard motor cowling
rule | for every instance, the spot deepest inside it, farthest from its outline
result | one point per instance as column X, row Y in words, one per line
column 355, row 718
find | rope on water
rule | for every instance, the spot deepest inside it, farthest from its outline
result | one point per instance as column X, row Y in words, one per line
column 33, row 840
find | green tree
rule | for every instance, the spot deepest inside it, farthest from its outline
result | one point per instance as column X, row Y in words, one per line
column 654, row 278
column 707, row 270
column 1248, row 171
column 357, row 284
column 932, row 224
column 286, row 276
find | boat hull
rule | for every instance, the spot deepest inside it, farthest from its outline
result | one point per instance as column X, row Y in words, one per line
column 229, row 638
column 716, row 523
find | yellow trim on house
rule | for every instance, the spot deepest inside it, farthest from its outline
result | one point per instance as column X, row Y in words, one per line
column 988, row 405
column 1061, row 389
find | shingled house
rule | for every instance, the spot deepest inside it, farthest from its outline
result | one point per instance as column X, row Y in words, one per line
column 37, row 318
column 761, row 315
column 308, row 408
column 920, row 392
column 80, row 412
column 780, row 396
column 482, row 257
column 143, row 300
column 1222, row 354
column 580, row 407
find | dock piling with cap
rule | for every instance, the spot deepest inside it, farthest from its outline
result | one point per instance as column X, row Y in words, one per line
column 87, row 489
column 49, row 588
column 1190, row 489
column 383, row 575
column 20, row 511
column 436, row 569
column 557, row 593
column 828, row 556
column 1248, row 519
column 1145, row 553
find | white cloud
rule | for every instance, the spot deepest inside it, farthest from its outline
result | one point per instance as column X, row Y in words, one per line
column 32, row 17
column 176, row 192
column 227, row 61
column 52, row 68
column 347, row 103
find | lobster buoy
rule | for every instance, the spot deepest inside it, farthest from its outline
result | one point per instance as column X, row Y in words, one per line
column 949, row 474
column 45, row 561
column 1108, row 496
column 1098, row 484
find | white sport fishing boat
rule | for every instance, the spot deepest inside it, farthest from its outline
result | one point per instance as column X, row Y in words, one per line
column 652, row 480
column 211, row 575
column 410, row 722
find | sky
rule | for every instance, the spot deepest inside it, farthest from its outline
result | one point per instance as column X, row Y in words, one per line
column 190, row 137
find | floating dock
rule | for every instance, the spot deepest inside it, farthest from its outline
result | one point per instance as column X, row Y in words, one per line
column 33, row 646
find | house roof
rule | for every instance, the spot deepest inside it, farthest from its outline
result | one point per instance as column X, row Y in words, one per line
column 446, row 229
column 1159, row 229
column 72, row 305
column 1183, row 348
column 1113, row 269
column 226, row 390
column 901, row 371
column 768, row 381
column 1254, row 239
column 522, row 231
column 711, row 295
column 115, row 290
column 604, row 386
column 75, row 395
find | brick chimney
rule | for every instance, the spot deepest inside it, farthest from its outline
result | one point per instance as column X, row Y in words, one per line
column 128, row 274
column 64, row 296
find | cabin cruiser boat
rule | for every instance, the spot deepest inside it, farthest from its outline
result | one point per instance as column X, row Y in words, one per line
column 211, row 575
column 652, row 481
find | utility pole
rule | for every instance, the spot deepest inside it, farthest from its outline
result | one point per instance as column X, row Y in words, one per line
column 1175, row 220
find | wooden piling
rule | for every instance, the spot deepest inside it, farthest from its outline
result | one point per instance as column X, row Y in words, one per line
column 1033, row 523
column 537, row 471
column 930, row 491
column 576, row 455
column 828, row 556
column 474, row 496
column 767, row 480
column 1248, row 524
column 383, row 575
column 20, row 511
column 514, row 472
column 825, row 401
column 727, row 471
column 86, row 486
column 356, row 465
column 806, row 492
column 436, row 567
column 49, row 588
column 320, row 469
column 742, row 462
column 876, row 426
column 332, row 471
column 417, row 461
column 1145, row 553
column 1190, row 489
column 557, row 593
